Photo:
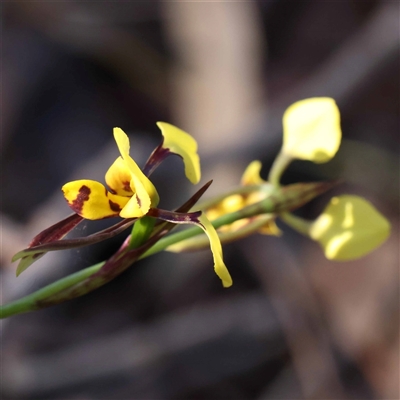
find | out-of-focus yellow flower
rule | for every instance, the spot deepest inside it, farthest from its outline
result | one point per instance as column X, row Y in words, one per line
column 235, row 202
column 349, row 227
column 311, row 130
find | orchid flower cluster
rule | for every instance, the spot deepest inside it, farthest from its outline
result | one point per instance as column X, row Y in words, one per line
column 348, row 228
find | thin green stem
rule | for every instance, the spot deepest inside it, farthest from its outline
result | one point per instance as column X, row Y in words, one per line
column 29, row 303
column 279, row 166
column 141, row 231
column 301, row 225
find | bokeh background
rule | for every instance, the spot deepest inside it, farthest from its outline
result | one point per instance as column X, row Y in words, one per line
column 294, row 325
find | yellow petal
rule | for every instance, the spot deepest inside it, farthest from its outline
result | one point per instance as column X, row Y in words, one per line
column 350, row 227
column 122, row 142
column 91, row 200
column 270, row 228
column 181, row 143
column 216, row 249
column 132, row 209
column 118, row 178
column 140, row 202
column 231, row 204
column 251, row 175
column 311, row 129
column 144, row 189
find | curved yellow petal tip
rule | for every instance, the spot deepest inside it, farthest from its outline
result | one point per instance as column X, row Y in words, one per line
column 251, row 175
column 349, row 228
column 216, row 249
column 181, row 143
column 146, row 194
column 270, row 228
column 122, row 142
column 311, row 129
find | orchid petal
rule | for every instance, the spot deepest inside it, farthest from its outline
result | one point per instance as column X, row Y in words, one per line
column 118, row 178
column 311, row 130
column 251, row 175
column 216, row 249
column 199, row 218
column 144, row 189
column 349, row 227
column 270, row 228
column 91, row 200
column 179, row 142
column 138, row 205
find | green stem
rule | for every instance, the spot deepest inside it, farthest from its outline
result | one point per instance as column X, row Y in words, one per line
column 141, row 231
column 299, row 224
column 281, row 162
column 29, row 303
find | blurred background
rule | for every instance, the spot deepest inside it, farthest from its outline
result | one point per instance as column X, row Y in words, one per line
column 294, row 325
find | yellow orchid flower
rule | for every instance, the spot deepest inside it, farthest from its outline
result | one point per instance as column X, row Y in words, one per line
column 131, row 196
column 235, row 202
column 132, row 192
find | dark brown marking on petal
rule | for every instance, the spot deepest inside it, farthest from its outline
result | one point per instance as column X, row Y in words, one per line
column 138, row 201
column 83, row 195
column 127, row 186
column 114, row 206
